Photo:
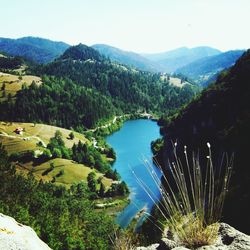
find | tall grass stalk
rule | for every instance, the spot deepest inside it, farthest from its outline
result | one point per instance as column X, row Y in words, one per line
column 192, row 202
column 123, row 240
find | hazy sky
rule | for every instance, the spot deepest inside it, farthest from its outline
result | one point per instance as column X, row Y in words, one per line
column 136, row 25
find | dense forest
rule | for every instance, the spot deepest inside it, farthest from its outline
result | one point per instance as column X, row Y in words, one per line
column 58, row 102
column 82, row 89
column 220, row 115
column 129, row 89
column 10, row 62
column 65, row 219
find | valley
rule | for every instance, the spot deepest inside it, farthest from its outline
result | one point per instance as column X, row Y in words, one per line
column 76, row 130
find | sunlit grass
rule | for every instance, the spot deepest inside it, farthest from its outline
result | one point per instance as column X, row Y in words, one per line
column 192, row 196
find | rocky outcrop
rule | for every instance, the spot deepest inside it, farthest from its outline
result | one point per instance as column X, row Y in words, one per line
column 228, row 239
column 15, row 236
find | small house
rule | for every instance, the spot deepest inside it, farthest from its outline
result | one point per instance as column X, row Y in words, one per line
column 18, row 130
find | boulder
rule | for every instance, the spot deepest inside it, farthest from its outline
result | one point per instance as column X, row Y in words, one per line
column 15, row 236
column 228, row 239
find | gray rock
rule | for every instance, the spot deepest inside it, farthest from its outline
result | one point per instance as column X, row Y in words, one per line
column 166, row 244
column 180, row 248
column 228, row 239
column 151, row 247
column 15, row 236
column 233, row 239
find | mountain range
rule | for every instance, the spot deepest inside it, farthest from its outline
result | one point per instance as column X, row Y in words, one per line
column 174, row 59
column 128, row 58
column 199, row 64
column 205, row 70
column 36, row 49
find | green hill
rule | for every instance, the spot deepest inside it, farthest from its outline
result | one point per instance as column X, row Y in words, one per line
column 120, row 88
column 81, row 52
column 221, row 116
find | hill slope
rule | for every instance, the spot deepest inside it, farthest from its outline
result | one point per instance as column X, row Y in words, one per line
column 127, row 90
column 205, row 69
column 221, row 116
column 174, row 59
column 127, row 58
column 36, row 49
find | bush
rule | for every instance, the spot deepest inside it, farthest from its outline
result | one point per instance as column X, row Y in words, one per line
column 192, row 197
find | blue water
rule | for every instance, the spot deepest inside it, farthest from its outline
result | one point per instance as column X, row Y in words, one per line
column 132, row 144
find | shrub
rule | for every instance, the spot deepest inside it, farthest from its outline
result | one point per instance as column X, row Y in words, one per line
column 192, row 196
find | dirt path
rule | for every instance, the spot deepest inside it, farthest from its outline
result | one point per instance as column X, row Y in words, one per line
column 26, row 138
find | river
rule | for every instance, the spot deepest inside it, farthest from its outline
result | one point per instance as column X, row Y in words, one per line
column 132, row 144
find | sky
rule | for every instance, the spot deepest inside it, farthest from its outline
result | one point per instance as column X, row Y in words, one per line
column 144, row 26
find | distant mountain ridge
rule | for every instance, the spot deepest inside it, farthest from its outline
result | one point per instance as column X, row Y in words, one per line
column 198, row 64
column 128, row 58
column 36, row 49
column 174, row 59
column 206, row 69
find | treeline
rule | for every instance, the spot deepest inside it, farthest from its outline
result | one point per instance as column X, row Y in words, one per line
column 10, row 62
column 58, row 102
column 65, row 219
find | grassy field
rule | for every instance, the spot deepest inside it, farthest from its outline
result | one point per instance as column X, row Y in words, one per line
column 13, row 83
column 31, row 135
column 73, row 172
column 176, row 81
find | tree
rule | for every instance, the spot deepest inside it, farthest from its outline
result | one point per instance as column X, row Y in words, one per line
column 102, row 190
column 3, row 86
column 46, row 154
column 58, row 137
column 57, row 153
column 92, row 181
column 71, row 136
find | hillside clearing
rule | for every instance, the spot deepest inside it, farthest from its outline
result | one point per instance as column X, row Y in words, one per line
column 33, row 133
column 13, row 83
column 73, row 172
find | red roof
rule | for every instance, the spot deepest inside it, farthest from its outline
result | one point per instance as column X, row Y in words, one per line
column 19, row 129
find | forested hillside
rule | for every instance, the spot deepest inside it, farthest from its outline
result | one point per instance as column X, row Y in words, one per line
column 221, row 116
column 65, row 219
column 36, row 49
column 129, row 90
column 82, row 89
column 58, row 102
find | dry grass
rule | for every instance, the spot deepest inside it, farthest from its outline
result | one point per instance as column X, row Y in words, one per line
column 192, row 203
column 73, row 172
column 14, row 143
column 13, row 84
column 44, row 132
column 123, row 240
